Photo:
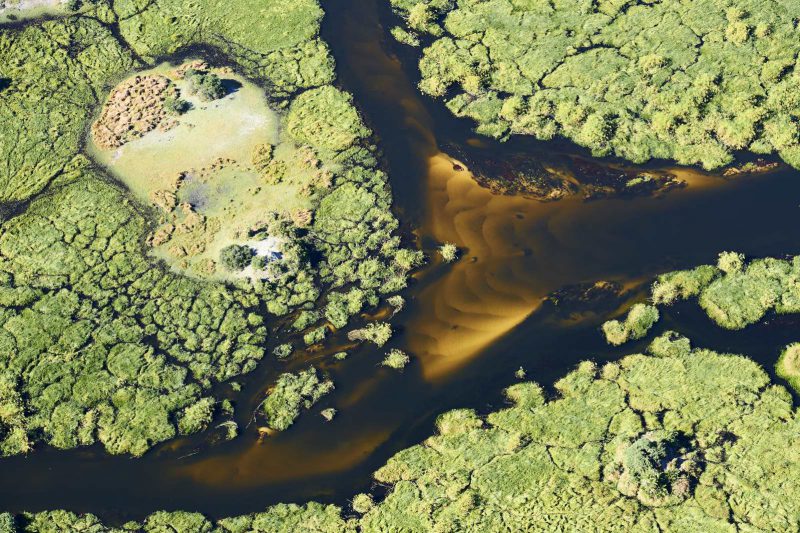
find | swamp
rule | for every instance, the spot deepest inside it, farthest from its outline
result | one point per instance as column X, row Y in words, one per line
column 399, row 265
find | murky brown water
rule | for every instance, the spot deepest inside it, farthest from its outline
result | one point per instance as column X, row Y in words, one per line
column 468, row 325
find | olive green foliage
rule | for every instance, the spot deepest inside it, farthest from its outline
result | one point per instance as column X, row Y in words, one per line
column 235, row 257
column 735, row 294
column 206, row 85
column 678, row 439
column 640, row 319
column 97, row 345
column 286, row 50
column 682, row 284
column 315, row 335
column 176, row 106
column 55, row 71
column 557, row 465
column 343, row 305
column 326, row 118
column 282, row 351
column 788, row 365
column 291, row 393
column 689, row 81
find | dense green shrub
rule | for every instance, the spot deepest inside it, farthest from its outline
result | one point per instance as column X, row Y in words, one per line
column 577, row 462
column 236, row 257
column 291, row 393
column 42, row 117
column 99, row 343
column 449, row 252
column 788, row 365
column 682, row 284
column 375, row 332
column 206, row 85
column 735, row 294
column 640, row 319
column 689, row 81
column 396, row 359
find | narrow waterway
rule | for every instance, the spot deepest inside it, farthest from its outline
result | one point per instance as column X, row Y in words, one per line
column 469, row 325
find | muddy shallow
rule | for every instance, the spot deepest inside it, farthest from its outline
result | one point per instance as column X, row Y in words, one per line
column 469, row 326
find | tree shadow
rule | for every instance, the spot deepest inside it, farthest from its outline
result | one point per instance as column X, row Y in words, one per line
column 231, row 86
column 5, row 83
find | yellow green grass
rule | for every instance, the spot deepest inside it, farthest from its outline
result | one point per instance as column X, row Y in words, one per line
column 207, row 161
column 788, row 366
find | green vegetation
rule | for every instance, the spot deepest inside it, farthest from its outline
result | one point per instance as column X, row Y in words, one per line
column 396, row 359
column 640, row 319
column 689, row 81
column 328, row 413
column 98, row 344
column 42, row 117
column 678, row 439
column 682, row 284
column 449, row 252
column 206, row 85
column 788, row 365
column 375, row 332
column 236, row 257
column 101, row 343
column 735, row 294
column 291, row 393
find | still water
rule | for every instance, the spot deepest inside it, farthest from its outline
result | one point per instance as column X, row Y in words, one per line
column 469, row 325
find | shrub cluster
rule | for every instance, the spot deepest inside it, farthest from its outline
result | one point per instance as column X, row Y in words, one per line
column 291, row 393
column 704, row 433
column 206, row 85
column 98, row 342
column 689, row 81
column 640, row 319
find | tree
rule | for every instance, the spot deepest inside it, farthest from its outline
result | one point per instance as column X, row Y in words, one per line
column 236, row 257
column 206, row 85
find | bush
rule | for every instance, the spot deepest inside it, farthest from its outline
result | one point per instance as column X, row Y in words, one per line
column 640, row 319
column 236, row 257
column 730, row 262
column 206, row 85
column 282, row 351
column 377, row 332
column 291, row 393
column 449, row 252
column 176, row 106
column 682, row 284
column 788, row 365
column 396, row 359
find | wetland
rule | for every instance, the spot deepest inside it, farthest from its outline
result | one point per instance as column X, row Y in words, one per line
column 552, row 243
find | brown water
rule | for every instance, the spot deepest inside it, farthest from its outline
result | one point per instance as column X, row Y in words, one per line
column 469, row 325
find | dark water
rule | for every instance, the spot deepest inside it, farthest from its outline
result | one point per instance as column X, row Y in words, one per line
column 469, row 326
